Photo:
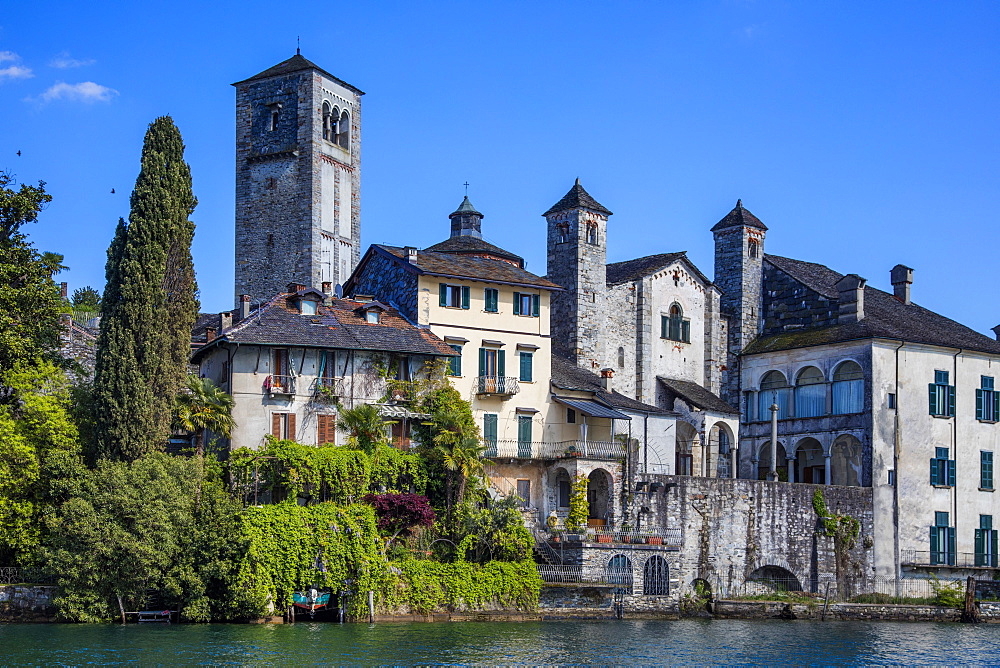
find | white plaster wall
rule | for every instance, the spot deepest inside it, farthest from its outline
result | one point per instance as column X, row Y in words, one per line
column 674, row 359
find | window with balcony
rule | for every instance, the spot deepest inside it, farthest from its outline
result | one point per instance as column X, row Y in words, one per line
column 941, row 396
column 524, row 435
column 987, row 400
column 942, row 541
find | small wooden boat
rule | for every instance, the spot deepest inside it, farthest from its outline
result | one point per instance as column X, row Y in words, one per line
column 311, row 600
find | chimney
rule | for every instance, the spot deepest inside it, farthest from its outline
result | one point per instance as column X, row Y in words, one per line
column 244, row 307
column 64, row 289
column 607, row 374
column 327, row 288
column 996, row 332
column 294, row 287
column 226, row 320
column 210, row 334
column 901, row 277
column 852, row 298
column 411, row 254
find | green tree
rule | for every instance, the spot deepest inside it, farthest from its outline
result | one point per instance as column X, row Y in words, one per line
column 204, row 406
column 149, row 304
column 53, row 262
column 365, row 426
column 86, row 299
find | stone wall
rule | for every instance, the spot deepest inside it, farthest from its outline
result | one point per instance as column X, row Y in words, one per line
column 789, row 305
column 732, row 528
column 389, row 282
column 724, row 609
column 26, row 603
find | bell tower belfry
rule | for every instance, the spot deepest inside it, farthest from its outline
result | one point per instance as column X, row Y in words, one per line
column 577, row 257
column 298, row 179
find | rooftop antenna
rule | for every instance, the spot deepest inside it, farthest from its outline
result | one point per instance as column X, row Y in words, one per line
column 466, row 184
column 298, row 46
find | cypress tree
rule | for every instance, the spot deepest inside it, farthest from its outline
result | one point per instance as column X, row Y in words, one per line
column 149, row 304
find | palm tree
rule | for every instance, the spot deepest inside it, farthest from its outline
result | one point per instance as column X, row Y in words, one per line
column 464, row 461
column 365, row 425
column 204, row 406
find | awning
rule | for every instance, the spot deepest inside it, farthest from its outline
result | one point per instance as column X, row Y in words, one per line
column 400, row 412
column 592, row 408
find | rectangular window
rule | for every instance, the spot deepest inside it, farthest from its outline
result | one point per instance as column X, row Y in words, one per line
column 524, row 436
column 453, row 296
column 987, row 400
column 941, row 395
column 326, row 429
column 283, row 425
column 570, row 416
column 985, row 469
column 526, row 363
column 564, row 493
column 491, row 298
column 891, row 401
column 942, row 541
column 492, row 362
column 274, row 121
column 892, row 477
column 942, row 468
column 455, row 363
column 490, row 434
column 524, row 492
column 281, row 374
column 526, row 304
column 986, row 542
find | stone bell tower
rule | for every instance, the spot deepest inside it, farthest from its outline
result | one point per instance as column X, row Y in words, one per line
column 298, row 178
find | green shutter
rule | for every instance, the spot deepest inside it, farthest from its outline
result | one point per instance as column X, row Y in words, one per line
column 465, row 296
column 935, row 546
column 951, row 472
column 482, row 361
column 993, row 548
column 455, row 363
column 951, row 400
column 490, row 434
column 490, row 297
column 951, row 545
column 980, row 548
column 443, row 294
column 979, row 404
column 535, row 299
column 526, row 359
column 996, row 405
column 524, row 429
column 501, row 366
column 686, row 331
column 663, row 326
column 517, row 303
column 932, row 398
column 934, row 472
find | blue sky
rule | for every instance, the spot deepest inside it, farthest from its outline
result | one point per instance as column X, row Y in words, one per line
column 862, row 134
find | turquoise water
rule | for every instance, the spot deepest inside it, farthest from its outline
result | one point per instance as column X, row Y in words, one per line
column 558, row 642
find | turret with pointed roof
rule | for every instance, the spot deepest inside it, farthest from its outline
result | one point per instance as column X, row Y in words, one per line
column 577, row 198
column 466, row 221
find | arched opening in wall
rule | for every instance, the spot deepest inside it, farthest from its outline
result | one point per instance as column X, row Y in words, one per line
column 621, row 357
column 592, row 234
column 764, row 462
column 599, row 497
column 686, row 438
column 719, row 458
column 655, row 577
column 327, row 121
column 701, row 588
column 344, row 131
column 810, row 393
column 753, row 248
column 619, row 572
column 845, row 461
column 810, row 465
column 848, row 388
column 774, row 389
column 563, row 489
column 772, row 579
column 562, row 233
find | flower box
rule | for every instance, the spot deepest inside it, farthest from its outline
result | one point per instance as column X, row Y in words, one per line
column 603, row 538
column 656, row 540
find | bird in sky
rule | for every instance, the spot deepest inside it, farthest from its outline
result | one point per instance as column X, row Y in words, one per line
column 112, row 191
column 19, row 154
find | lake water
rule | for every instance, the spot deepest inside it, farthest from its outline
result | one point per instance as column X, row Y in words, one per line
column 557, row 642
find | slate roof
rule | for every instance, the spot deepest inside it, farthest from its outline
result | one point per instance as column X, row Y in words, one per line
column 339, row 323
column 460, row 265
column 297, row 63
column 633, row 270
column 885, row 317
column 472, row 245
column 568, row 376
column 577, row 197
column 696, row 395
column 739, row 217
column 466, row 207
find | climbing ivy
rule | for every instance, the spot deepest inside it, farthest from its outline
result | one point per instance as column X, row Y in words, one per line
column 428, row 586
column 579, row 509
column 843, row 527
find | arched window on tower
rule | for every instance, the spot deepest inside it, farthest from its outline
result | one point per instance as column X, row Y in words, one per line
column 344, row 131
column 327, row 121
column 753, row 248
column 562, row 232
column 621, row 357
column 592, row 234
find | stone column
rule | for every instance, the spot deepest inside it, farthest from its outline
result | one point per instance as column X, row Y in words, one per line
column 790, row 466
column 826, row 462
column 733, row 455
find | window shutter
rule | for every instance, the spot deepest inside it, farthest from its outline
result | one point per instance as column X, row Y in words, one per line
column 932, row 398
column 686, row 331
column 501, row 367
column 291, row 426
column 517, row 303
column 276, row 425
column 490, row 428
column 979, row 404
column 526, row 367
column 934, row 472
column 482, row 361
column 663, row 326
column 980, row 545
column 996, row 405
column 993, row 548
column 465, row 296
column 935, row 546
column 951, row 545
column 951, row 472
column 443, row 294
column 535, row 299
column 951, row 400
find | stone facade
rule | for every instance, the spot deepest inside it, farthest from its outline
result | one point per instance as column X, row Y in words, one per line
column 27, row 603
column 297, row 189
column 384, row 280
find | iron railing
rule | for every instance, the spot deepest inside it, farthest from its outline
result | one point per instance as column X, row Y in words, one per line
column 14, row 575
column 665, row 537
column 564, row 574
column 329, row 387
column 502, row 385
column 606, row 450
column 938, row 559
column 280, row 384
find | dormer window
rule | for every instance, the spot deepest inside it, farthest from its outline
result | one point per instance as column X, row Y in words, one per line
column 307, row 307
column 373, row 316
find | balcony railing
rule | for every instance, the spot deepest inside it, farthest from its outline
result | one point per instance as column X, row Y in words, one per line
column 554, row 450
column 665, row 537
column 499, row 385
column 929, row 559
column 279, row 384
column 332, row 388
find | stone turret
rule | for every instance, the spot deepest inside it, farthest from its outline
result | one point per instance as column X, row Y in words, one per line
column 466, row 221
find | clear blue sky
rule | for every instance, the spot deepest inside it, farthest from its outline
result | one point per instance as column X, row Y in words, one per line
column 862, row 134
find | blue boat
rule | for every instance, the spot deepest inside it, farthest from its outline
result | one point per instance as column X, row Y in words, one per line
column 312, row 599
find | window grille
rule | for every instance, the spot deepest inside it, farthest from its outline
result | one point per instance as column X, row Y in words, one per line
column 655, row 577
column 619, row 572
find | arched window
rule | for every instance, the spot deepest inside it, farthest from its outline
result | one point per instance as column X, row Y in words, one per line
column 810, row 393
column 344, row 131
column 848, row 388
column 674, row 326
column 753, row 248
column 619, row 572
column 725, row 450
column 562, row 232
column 592, row 234
column 621, row 357
column 774, row 389
column 655, row 577
column 327, row 121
